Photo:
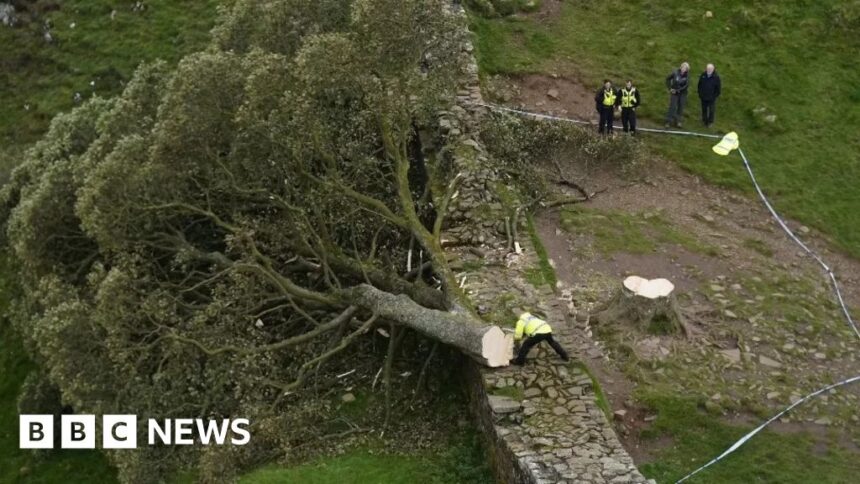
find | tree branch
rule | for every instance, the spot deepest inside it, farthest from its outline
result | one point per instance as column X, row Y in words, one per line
column 342, row 318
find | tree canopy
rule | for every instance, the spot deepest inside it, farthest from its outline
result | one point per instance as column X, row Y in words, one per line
column 200, row 244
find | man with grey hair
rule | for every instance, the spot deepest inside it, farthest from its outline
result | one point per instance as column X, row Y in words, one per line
column 677, row 83
column 709, row 90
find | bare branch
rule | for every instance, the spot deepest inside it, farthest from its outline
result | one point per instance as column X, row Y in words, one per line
column 344, row 343
column 442, row 209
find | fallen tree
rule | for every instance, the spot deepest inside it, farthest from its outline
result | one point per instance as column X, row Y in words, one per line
column 218, row 235
column 487, row 344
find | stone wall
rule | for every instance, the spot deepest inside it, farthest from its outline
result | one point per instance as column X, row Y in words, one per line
column 543, row 422
column 504, row 463
column 476, row 215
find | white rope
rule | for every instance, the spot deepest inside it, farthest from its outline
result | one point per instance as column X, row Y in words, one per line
column 758, row 429
column 787, row 230
column 496, row 107
column 801, row 244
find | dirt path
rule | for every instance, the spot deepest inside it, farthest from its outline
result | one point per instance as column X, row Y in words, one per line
column 557, row 95
column 717, row 217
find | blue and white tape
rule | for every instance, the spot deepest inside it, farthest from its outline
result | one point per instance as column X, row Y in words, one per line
column 758, row 429
column 799, row 242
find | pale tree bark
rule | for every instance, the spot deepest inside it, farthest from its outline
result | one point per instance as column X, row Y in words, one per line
column 487, row 344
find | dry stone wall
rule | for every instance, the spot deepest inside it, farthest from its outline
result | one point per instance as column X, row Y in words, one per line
column 543, row 421
column 476, row 215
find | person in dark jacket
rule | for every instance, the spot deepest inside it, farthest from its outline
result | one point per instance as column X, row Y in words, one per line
column 605, row 101
column 629, row 99
column 709, row 90
column 677, row 83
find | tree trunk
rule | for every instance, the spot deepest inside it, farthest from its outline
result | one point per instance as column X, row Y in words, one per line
column 650, row 304
column 487, row 344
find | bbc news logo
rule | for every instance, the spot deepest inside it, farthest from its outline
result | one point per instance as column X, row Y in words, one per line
column 120, row 432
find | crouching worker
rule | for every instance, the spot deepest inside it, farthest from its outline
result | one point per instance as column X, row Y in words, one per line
column 535, row 331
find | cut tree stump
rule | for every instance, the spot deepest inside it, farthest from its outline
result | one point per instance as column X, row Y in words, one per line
column 649, row 304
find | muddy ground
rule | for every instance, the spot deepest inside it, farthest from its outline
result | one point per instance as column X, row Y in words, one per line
column 764, row 325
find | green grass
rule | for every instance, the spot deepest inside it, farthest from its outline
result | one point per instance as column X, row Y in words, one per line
column 463, row 461
column 513, row 392
column 21, row 466
column 356, row 467
column 44, row 77
column 791, row 300
column 661, row 326
column 615, row 231
column 769, row 457
column 543, row 274
column 793, row 58
column 759, row 246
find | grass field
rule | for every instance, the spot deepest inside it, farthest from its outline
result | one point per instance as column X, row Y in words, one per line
column 463, row 462
column 770, row 457
column 91, row 54
column 796, row 60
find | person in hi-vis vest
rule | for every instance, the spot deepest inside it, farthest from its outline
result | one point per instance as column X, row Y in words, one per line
column 605, row 101
column 535, row 330
column 629, row 99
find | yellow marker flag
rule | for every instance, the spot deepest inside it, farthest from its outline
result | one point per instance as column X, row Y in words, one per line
column 727, row 144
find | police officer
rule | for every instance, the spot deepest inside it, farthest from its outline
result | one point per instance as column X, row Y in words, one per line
column 629, row 99
column 605, row 101
column 535, row 331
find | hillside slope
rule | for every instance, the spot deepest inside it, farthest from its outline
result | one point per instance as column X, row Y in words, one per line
column 794, row 60
column 94, row 48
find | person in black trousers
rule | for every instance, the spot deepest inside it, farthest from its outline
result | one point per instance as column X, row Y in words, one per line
column 536, row 330
column 709, row 90
column 605, row 101
column 677, row 83
column 628, row 98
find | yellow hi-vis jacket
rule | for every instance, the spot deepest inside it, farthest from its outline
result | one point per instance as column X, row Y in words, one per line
column 727, row 144
column 530, row 326
column 609, row 97
column 629, row 99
